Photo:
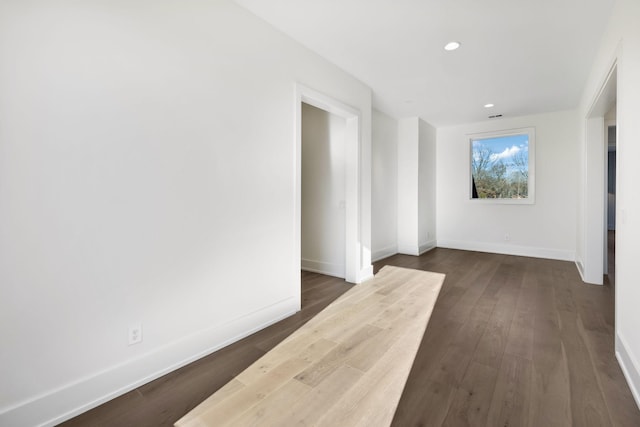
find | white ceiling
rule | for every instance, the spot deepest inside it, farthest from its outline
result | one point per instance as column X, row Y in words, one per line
column 524, row 56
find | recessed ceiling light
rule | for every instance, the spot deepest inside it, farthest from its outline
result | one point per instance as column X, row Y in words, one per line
column 451, row 46
column 488, row 105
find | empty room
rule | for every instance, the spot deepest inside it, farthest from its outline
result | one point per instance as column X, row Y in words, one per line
column 328, row 213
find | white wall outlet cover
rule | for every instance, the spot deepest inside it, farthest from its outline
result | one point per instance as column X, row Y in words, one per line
column 135, row 333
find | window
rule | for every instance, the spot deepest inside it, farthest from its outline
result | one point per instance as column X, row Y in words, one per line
column 502, row 166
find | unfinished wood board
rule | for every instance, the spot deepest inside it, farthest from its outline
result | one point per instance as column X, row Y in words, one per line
column 347, row 366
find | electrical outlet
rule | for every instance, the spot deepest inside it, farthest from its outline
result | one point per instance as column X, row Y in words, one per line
column 507, row 237
column 135, row 333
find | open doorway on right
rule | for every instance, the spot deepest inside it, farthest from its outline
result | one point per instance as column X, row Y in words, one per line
column 610, row 123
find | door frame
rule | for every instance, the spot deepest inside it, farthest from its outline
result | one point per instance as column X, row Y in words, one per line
column 354, row 270
column 595, row 242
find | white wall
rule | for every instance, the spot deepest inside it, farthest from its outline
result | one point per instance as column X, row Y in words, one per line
column 427, row 187
column 384, row 186
column 323, row 191
column 146, row 175
column 416, row 186
column 544, row 229
column 408, row 170
column 622, row 43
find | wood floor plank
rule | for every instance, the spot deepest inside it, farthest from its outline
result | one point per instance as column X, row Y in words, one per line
column 380, row 387
column 311, row 353
column 587, row 403
column 339, row 355
column 520, row 338
column 494, row 339
column 510, row 404
column 320, row 399
column 467, row 300
column 339, row 391
column 226, row 410
column 472, row 400
column 622, row 408
column 269, row 411
column 426, row 405
column 223, row 393
column 551, row 391
column 460, row 351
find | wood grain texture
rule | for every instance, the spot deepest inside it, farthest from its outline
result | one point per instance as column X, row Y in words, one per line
column 533, row 383
column 532, row 346
column 346, row 367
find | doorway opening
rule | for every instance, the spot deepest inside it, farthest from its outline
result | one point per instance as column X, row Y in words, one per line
column 357, row 265
column 323, row 192
column 594, row 265
column 610, row 176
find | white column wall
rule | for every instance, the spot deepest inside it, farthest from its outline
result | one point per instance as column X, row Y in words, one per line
column 408, row 184
column 384, row 183
column 426, row 187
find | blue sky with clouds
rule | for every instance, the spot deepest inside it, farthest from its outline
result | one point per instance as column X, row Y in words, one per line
column 504, row 147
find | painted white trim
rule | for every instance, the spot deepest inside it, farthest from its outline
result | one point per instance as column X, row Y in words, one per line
column 330, row 269
column 580, row 269
column 559, row 254
column 409, row 250
column 354, row 267
column 602, row 97
column 594, row 206
column 629, row 365
column 61, row 404
column 384, row 253
column 365, row 274
column 593, row 176
column 417, row 251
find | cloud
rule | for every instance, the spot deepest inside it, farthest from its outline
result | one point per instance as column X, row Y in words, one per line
column 508, row 152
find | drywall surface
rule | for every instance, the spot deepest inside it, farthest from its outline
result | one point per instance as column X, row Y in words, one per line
column 621, row 44
column 416, row 186
column 323, row 191
column 544, row 229
column 384, row 186
column 408, row 169
column 426, row 187
column 146, row 175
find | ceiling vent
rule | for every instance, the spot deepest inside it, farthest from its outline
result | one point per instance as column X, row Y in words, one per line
column 495, row 116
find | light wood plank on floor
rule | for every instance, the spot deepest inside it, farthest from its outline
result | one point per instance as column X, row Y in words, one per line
column 351, row 360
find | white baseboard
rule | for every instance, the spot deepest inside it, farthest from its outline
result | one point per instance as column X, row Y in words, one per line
column 409, row 250
column 365, row 274
column 336, row 270
column 417, row 251
column 427, row 246
column 383, row 253
column 630, row 367
column 529, row 251
column 56, row 406
column 580, row 268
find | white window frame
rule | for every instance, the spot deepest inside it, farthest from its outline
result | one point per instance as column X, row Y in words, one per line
column 531, row 190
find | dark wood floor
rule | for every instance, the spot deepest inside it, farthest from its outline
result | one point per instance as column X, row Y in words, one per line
column 512, row 341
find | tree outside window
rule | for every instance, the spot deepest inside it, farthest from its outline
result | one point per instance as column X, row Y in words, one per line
column 502, row 166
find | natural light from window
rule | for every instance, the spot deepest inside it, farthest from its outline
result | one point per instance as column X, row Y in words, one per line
column 502, row 166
